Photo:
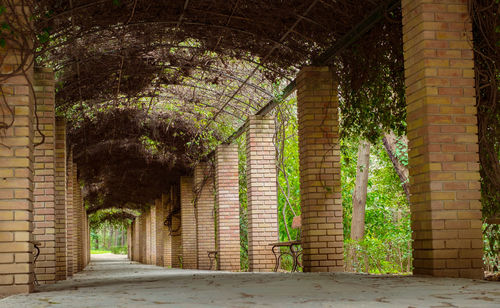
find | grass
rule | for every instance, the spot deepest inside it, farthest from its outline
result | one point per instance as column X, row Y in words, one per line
column 99, row 252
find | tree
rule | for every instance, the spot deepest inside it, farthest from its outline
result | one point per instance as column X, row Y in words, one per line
column 360, row 191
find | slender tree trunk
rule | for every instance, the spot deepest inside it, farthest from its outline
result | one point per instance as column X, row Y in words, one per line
column 123, row 237
column 110, row 242
column 360, row 191
column 104, row 232
column 390, row 142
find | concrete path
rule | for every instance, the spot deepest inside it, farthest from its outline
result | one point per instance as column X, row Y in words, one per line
column 113, row 281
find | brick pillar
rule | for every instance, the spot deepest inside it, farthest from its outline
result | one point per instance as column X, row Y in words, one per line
column 147, row 219
column 16, row 178
column 261, row 192
column 228, row 207
column 319, row 152
column 136, row 249
column 442, row 133
column 76, row 221
column 158, row 222
column 129, row 242
column 153, row 234
column 167, row 236
column 142, row 240
column 205, row 206
column 60, row 199
column 70, row 226
column 44, row 183
column 188, row 222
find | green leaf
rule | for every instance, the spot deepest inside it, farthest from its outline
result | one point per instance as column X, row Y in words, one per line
column 116, row 2
column 2, row 42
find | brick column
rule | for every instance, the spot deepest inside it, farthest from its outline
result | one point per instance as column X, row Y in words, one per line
column 60, row 199
column 147, row 219
column 16, row 178
column 167, row 236
column 205, row 206
column 76, row 221
column 319, row 152
column 70, row 226
column 261, row 191
column 136, row 249
column 159, row 219
column 44, row 183
column 188, row 222
column 442, row 133
column 152, row 217
column 228, row 207
column 129, row 242
column 142, row 239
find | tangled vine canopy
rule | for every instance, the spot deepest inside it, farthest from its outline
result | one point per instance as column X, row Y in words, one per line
column 149, row 87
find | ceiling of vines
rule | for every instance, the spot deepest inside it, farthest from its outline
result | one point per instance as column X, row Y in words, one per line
column 150, row 87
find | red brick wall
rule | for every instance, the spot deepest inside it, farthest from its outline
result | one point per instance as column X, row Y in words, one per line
column 188, row 222
column 442, row 133
column 60, row 199
column 205, row 206
column 228, row 207
column 44, row 180
column 261, row 192
column 319, row 152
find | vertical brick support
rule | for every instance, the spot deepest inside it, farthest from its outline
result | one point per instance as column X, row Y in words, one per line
column 142, row 240
column 60, row 199
column 188, row 222
column 158, row 222
column 16, row 178
column 76, row 221
column 319, row 153
column 205, row 206
column 136, row 249
column 129, row 242
column 70, row 226
column 147, row 220
column 44, row 180
column 261, row 192
column 167, row 236
column 443, row 142
column 152, row 228
column 228, row 207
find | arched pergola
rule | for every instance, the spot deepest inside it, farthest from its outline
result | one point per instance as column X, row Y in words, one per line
column 141, row 100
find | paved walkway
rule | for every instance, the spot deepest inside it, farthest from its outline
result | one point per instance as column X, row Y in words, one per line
column 113, row 281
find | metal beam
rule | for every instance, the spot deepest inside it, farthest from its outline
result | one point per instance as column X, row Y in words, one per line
column 326, row 57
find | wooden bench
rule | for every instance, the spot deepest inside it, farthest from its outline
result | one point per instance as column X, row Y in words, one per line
column 293, row 248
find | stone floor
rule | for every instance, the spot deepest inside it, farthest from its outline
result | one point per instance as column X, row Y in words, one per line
column 113, row 281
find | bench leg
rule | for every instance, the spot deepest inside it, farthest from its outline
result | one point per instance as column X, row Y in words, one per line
column 277, row 257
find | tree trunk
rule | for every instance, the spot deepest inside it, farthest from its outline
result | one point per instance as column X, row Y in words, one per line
column 359, row 195
column 110, row 242
column 390, row 142
column 123, row 237
column 103, row 242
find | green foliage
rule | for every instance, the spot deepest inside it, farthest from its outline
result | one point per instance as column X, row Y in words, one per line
column 492, row 247
column 386, row 247
column 242, row 172
column 99, row 251
column 119, row 250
